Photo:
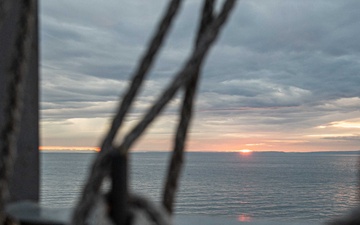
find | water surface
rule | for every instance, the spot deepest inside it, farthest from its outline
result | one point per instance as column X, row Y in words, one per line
column 272, row 186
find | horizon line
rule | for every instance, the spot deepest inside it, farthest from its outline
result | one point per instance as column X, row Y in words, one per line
column 97, row 149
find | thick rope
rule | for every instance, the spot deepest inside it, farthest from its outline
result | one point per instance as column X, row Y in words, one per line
column 100, row 168
column 94, row 183
column 16, row 73
column 177, row 156
column 145, row 64
column 181, row 78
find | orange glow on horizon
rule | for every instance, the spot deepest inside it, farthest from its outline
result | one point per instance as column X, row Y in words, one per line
column 69, row 148
column 246, row 151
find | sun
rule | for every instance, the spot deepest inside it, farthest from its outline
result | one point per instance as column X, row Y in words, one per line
column 245, row 151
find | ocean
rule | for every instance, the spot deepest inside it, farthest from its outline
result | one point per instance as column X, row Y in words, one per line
column 272, row 186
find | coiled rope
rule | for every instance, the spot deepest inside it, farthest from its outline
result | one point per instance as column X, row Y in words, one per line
column 186, row 78
column 15, row 89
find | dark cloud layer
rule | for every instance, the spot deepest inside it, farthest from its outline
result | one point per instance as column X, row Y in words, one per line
column 280, row 70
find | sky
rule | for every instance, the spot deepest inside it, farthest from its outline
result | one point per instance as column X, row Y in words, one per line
column 283, row 76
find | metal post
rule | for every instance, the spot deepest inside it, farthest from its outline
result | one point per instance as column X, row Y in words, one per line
column 25, row 181
column 119, row 192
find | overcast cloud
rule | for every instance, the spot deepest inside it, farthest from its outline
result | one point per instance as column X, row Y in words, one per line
column 284, row 75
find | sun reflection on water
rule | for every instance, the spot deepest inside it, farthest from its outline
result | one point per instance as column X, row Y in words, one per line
column 244, row 218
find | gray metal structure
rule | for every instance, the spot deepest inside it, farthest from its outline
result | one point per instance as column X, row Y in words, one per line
column 25, row 179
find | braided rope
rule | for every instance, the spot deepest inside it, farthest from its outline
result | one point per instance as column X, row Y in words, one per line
column 93, row 185
column 16, row 73
column 181, row 78
column 176, row 162
column 100, row 168
column 145, row 64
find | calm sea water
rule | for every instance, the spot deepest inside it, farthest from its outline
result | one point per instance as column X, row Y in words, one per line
column 272, row 186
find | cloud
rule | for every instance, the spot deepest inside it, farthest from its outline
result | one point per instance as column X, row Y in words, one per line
column 345, row 138
column 279, row 69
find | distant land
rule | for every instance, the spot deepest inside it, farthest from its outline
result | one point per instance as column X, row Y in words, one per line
column 353, row 152
column 357, row 152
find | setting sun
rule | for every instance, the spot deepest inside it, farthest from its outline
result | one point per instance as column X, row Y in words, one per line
column 245, row 151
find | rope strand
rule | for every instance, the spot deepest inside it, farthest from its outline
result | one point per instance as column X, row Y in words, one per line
column 177, row 156
column 143, row 68
column 100, row 169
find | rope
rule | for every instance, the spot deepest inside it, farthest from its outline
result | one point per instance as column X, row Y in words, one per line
column 145, row 64
column 186, row 113
column 100, row 168
column 181, row 78
column 91, row 189
column 16, row 73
